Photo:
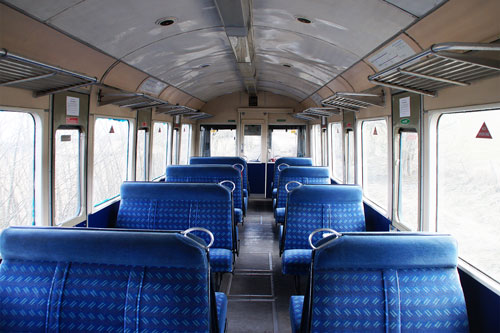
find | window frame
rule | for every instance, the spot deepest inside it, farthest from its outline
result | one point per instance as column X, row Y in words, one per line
column 81, row 216
column 146, row 152
column 331, row 153
column 189, row 144
column 205, row 129
column 168, row 148
column 130, row 160
column 429, row 198
column 358, row 164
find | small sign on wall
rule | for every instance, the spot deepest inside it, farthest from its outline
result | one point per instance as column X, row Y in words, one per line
column 72, row 106
column 404, row 107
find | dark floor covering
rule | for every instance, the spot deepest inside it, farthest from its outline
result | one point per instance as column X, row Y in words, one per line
column 258, row 293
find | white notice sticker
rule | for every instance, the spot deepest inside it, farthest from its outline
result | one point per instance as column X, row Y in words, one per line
column 72, row 106
column 391, row 54
column 404, row 107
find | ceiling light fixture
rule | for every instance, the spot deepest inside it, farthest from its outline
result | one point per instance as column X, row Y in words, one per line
column 166, row 21
column 302, row 19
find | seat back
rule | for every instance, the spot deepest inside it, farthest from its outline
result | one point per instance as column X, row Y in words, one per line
column 207, row 173
column 289, row 161
column 311, row 207
column 231, row 160
column 385, row 282
column 93, row 280
column 165, row 206
column 304, row 175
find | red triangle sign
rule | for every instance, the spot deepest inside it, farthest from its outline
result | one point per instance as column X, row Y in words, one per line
column 111, row 130
column 484, row 133
column 375, row 131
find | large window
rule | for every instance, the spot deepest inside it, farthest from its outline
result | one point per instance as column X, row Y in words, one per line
column 160, row 151
column 408, row 180
column 252, row 139
column 375, row 170
column 218, row 140
column 336, row 152
column 468, row 185
column 285, row 140
column 17, row 169
column 67, row 174
column 141, row 160
column 111, row 158
column 316, row 144
column 185, row 151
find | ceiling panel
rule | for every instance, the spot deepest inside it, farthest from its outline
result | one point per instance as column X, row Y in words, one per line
column 357, row 26
column 119, row 27
column 418, row 8
column 43, row 10
column 277, row 77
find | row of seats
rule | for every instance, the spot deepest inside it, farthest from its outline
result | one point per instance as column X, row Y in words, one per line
column 83, row 280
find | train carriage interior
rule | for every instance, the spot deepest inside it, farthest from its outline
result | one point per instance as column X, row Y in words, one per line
column 250, row 165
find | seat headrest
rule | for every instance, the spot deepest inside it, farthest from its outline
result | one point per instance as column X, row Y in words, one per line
column 305, row 171
column 326, row 194
column 174, row 191
column 386, row 251
column 202, row 170
column 303, row 161
column 103, row 246
column 218, row 160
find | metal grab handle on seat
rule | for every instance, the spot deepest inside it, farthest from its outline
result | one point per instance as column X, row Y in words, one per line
column 236, row 165
column 186, row 232
column 279, row 166
column 230, row 182
column 320, row 230
column 292, row 182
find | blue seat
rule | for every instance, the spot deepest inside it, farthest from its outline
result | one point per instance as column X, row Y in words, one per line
column 386, row 282
column 102, row 280
column 303, row 175
column 231, row 160
column 311, row 207
column 164, row 206
column 210, row 173
column 284, row 162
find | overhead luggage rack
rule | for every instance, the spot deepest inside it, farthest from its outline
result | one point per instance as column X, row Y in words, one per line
column 175, row 110
column 42, row 79
column 350, row 101
column 303, row 116
column 199, row 115
column 442, row 65
column 134, row 101
column 321, row 111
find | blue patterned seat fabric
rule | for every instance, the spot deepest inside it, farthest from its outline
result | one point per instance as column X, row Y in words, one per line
column 311, row 207
column 231, row 160
column 303, row 175
column 383, row 283
column 89, row 280
column 165, row 206
column 290, row 161
column 210, row 173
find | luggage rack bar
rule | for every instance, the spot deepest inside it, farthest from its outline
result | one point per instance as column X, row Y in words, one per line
column 321, row 111
column 442, row 65
column 350, row 101
column 42, row 79
column 303, row 116
column 124, row 99
column 174, row 110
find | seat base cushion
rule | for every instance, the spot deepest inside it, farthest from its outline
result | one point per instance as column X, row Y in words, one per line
column 296, row 261
column 221, row 301
column 280, row 215
column 221, row 260
column 296, row 304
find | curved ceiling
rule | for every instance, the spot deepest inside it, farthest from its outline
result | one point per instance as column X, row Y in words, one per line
column 195, row 55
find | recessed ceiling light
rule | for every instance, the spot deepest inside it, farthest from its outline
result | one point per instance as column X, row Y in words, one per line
column 166, row 21
column 219, row 82
column 204, row 65
column 303, row 19
column 287, row 65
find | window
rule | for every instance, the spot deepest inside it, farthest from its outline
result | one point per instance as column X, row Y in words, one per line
column 218, row 140
column 185, row 151
column 160, row 156
column 316, row 144
column 111, row 158
column 67, row 174
column 337, row 153
column 285, row 140
column 175, row 147
column 375, row 169
column 140, row 160
column 350, row 156
column 468, row 185
column 17, row 170
column 252, row 142
column 408, row 180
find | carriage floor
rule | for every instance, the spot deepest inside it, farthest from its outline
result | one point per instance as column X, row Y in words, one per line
column 258, row 293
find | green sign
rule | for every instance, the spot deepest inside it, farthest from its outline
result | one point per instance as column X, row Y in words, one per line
column 281, row 120
column 231, row 121
column 405, row 121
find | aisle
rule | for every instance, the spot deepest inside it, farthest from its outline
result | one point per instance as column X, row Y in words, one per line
column 258, row 293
